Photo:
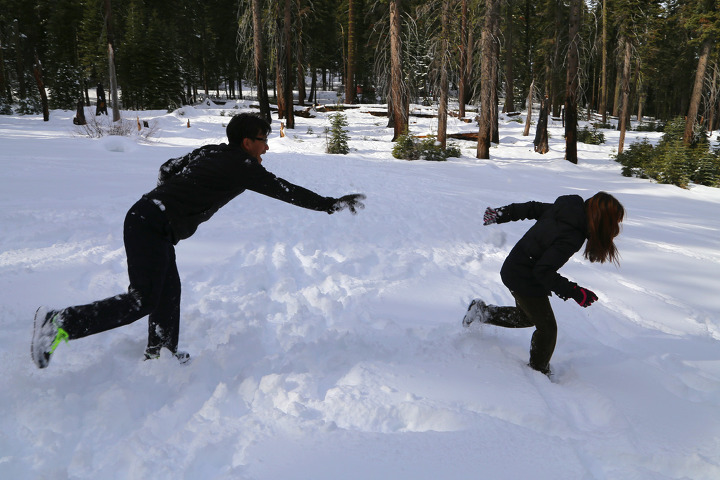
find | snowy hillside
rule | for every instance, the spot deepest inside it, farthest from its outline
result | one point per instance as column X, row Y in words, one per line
column 331, row 347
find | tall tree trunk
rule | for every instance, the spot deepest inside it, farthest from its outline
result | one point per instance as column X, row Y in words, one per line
column 487, row 82
column 444, row 47
column 526, row 132
column 279, row 85
column 19, row 60
column 509, row 57
column 37, row 73
column 557, row 90
column 541, row 133
column 350, row 74
column 113, row 83
column 397, row 93
column 259, row 57
column 616, row 97
column 528, row 49
column 592, row 102
column 602, row 108
column 469, row 67
column 287, row 67
column 111, row 61
column 300, row 67
column 624, row 114
column 313, row 85
column 463, row 80
column 697, row 90
column 4, row 83
column 301, row 80
column 494, row 73
column 639, row 91
column 713, row 99
column 571, row 87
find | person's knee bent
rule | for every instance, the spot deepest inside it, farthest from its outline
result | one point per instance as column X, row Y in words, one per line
column 145, row 300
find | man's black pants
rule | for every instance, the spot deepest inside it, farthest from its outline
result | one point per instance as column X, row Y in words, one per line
column 530, row 312
column 154, row 284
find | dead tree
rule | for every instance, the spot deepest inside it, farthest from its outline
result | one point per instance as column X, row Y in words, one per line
column 541, row 133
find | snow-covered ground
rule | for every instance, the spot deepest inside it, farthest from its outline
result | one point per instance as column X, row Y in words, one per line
column 331, row 347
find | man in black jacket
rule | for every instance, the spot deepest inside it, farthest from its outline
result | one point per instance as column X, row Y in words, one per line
column 190, row 190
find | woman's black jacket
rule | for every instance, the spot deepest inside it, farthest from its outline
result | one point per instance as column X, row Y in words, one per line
column 193, row 187
column 531, row 268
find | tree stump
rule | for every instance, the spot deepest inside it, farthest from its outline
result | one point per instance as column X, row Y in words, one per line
column 541, row 133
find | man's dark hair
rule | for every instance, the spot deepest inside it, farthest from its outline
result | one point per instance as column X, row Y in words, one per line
column 246, row 125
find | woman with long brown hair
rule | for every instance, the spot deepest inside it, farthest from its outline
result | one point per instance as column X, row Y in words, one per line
column 530, row 270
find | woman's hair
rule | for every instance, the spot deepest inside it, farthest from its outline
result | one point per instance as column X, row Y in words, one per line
column 604, row 214
column 246, row 125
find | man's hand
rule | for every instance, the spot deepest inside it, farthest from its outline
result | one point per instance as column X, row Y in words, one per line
column 353, row 202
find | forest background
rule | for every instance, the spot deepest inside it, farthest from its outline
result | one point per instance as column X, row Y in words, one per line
column 614, row 57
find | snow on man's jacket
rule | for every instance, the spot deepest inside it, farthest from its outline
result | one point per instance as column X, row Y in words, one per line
column 531, row 268
column 193, row 187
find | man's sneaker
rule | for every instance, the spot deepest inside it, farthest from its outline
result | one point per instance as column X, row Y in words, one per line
column 154, row 354
column 47, row 335
column 477, row 311
column 183, row 357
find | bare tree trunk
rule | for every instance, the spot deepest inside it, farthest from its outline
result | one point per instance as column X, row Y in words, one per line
column 639, row 91
column 287, row 67
column 624, row 114
column 529, row 109
column 113, row 84
column 557, row 91
column 602, row 108
column 397, row 94
column 444, row 47
column 4, row 83
column 541, row 133
column 260, row 67
column 37, row 73
column 713, row 99
column 300, row 62
column 592, row 102
column 313, row 85
column 571, row 87
column 280, row 93
column 509, row 57
column 487, row 105
column 697, row 90
column 494, row 72
column 80, row 113
column 616, row 97
column 19, row 60
column 469, row 67
column 463, row 80
column 350, row 75
column 111, row 62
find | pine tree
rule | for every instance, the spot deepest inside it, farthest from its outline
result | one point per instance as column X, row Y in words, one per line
column 337, row 143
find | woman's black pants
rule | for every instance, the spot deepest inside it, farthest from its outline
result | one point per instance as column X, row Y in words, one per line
column 154, row 285
column 530, row 312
